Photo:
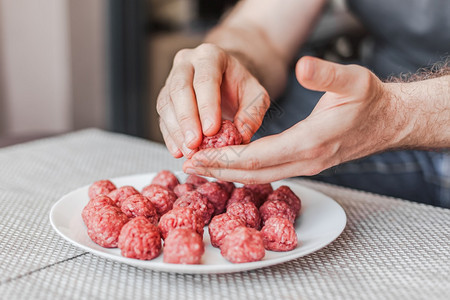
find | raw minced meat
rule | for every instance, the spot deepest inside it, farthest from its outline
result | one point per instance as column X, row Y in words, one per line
column 166, row 179
column 279, row 234
column 227, row 135
column 101, row 187
column 180, row 217
column 161, row 197
column 140, row 239
column 139, row 205
column 221, row 226
column 183, row 246
column 199, row 203
column 243, row 244
column 276, row 208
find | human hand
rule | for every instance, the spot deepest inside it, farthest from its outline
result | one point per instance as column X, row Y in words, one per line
column 205, row 85
column 357, row 116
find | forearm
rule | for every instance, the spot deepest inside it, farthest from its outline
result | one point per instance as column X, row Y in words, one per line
column 264, row 35
column 424, row 112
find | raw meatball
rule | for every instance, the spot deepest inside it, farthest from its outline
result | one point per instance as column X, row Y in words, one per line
column 247, row 211
column 161, row 197
column 284, row 193
column 199, row 203
column 180, row 217
column 243, row 245
column 140, row 239
column 276, row 208
column 227, row 135
column 215, row 194
column 166, row 179
column 221, row 226
column 93, row 206
column 242, row 194
column 119, row 195
column 105, row 226
column 279, row 234
column 139, row 205
column 196, row 180
column 101, row 187
column 260, row 191
column 183, row 246
column 227, row 186
column 182, row 189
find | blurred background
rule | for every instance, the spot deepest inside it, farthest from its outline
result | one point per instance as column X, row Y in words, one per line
column 66, row 65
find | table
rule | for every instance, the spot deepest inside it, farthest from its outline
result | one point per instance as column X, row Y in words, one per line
column 390, row 249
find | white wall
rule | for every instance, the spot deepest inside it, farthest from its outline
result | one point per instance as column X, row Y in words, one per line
column 35, row 66
column 52, row 66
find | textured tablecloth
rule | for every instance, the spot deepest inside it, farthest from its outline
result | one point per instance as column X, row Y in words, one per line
column 390, row 249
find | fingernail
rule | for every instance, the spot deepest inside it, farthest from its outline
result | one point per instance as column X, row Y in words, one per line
column 186, row 151
column 206, row 125
column 190, row 171
column 189, row 136
column 309, row 69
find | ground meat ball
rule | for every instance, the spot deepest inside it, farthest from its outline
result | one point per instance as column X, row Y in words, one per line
column 284, row 193
column 260, row 191
column 140, row 239
column 227, row 135
column 183, row 246
column 247, row 211
column 182, row 189
column 199, row 203
column 243, row 245
column 139, row 205
column 221, row 226
column 166, row 179
column 105, row 226
column 196, row 180
column 276, row 208
column 227, row 186
column 161, row 197
column 242, row 194
column 215, row 194
column 122, row 193
column 279, row 234
column 180, row 217
column 101, row 187
column 95, row 205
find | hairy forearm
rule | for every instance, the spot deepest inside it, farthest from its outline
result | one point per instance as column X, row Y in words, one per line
column 424, row 112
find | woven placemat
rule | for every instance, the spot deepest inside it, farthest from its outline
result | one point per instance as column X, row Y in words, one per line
column 390, row 248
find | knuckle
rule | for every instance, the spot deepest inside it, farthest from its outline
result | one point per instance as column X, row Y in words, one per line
column 184, row 119
column 177, row 85
column 203, row 78
column 181, row 55
column 206, row 49
column 162, row 105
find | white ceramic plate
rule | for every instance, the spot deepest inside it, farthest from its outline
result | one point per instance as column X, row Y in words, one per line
column 321, row 221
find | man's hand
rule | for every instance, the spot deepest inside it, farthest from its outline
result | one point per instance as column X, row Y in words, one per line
column 357, row 116
column 204, row 85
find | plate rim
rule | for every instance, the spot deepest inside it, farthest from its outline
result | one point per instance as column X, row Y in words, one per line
column 202, row 268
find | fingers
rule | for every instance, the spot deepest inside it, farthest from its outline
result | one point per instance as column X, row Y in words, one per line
column 267, row 151
column 182, row 96
column 171, row 124
column 263, row 175
column 321, row 75
column 173, row 149
column 245, row 99
column 209, row 69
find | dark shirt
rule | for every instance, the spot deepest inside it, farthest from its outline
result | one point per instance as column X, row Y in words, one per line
column 408, row 34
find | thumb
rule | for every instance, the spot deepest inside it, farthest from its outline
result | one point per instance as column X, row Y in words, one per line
column 320, row 75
